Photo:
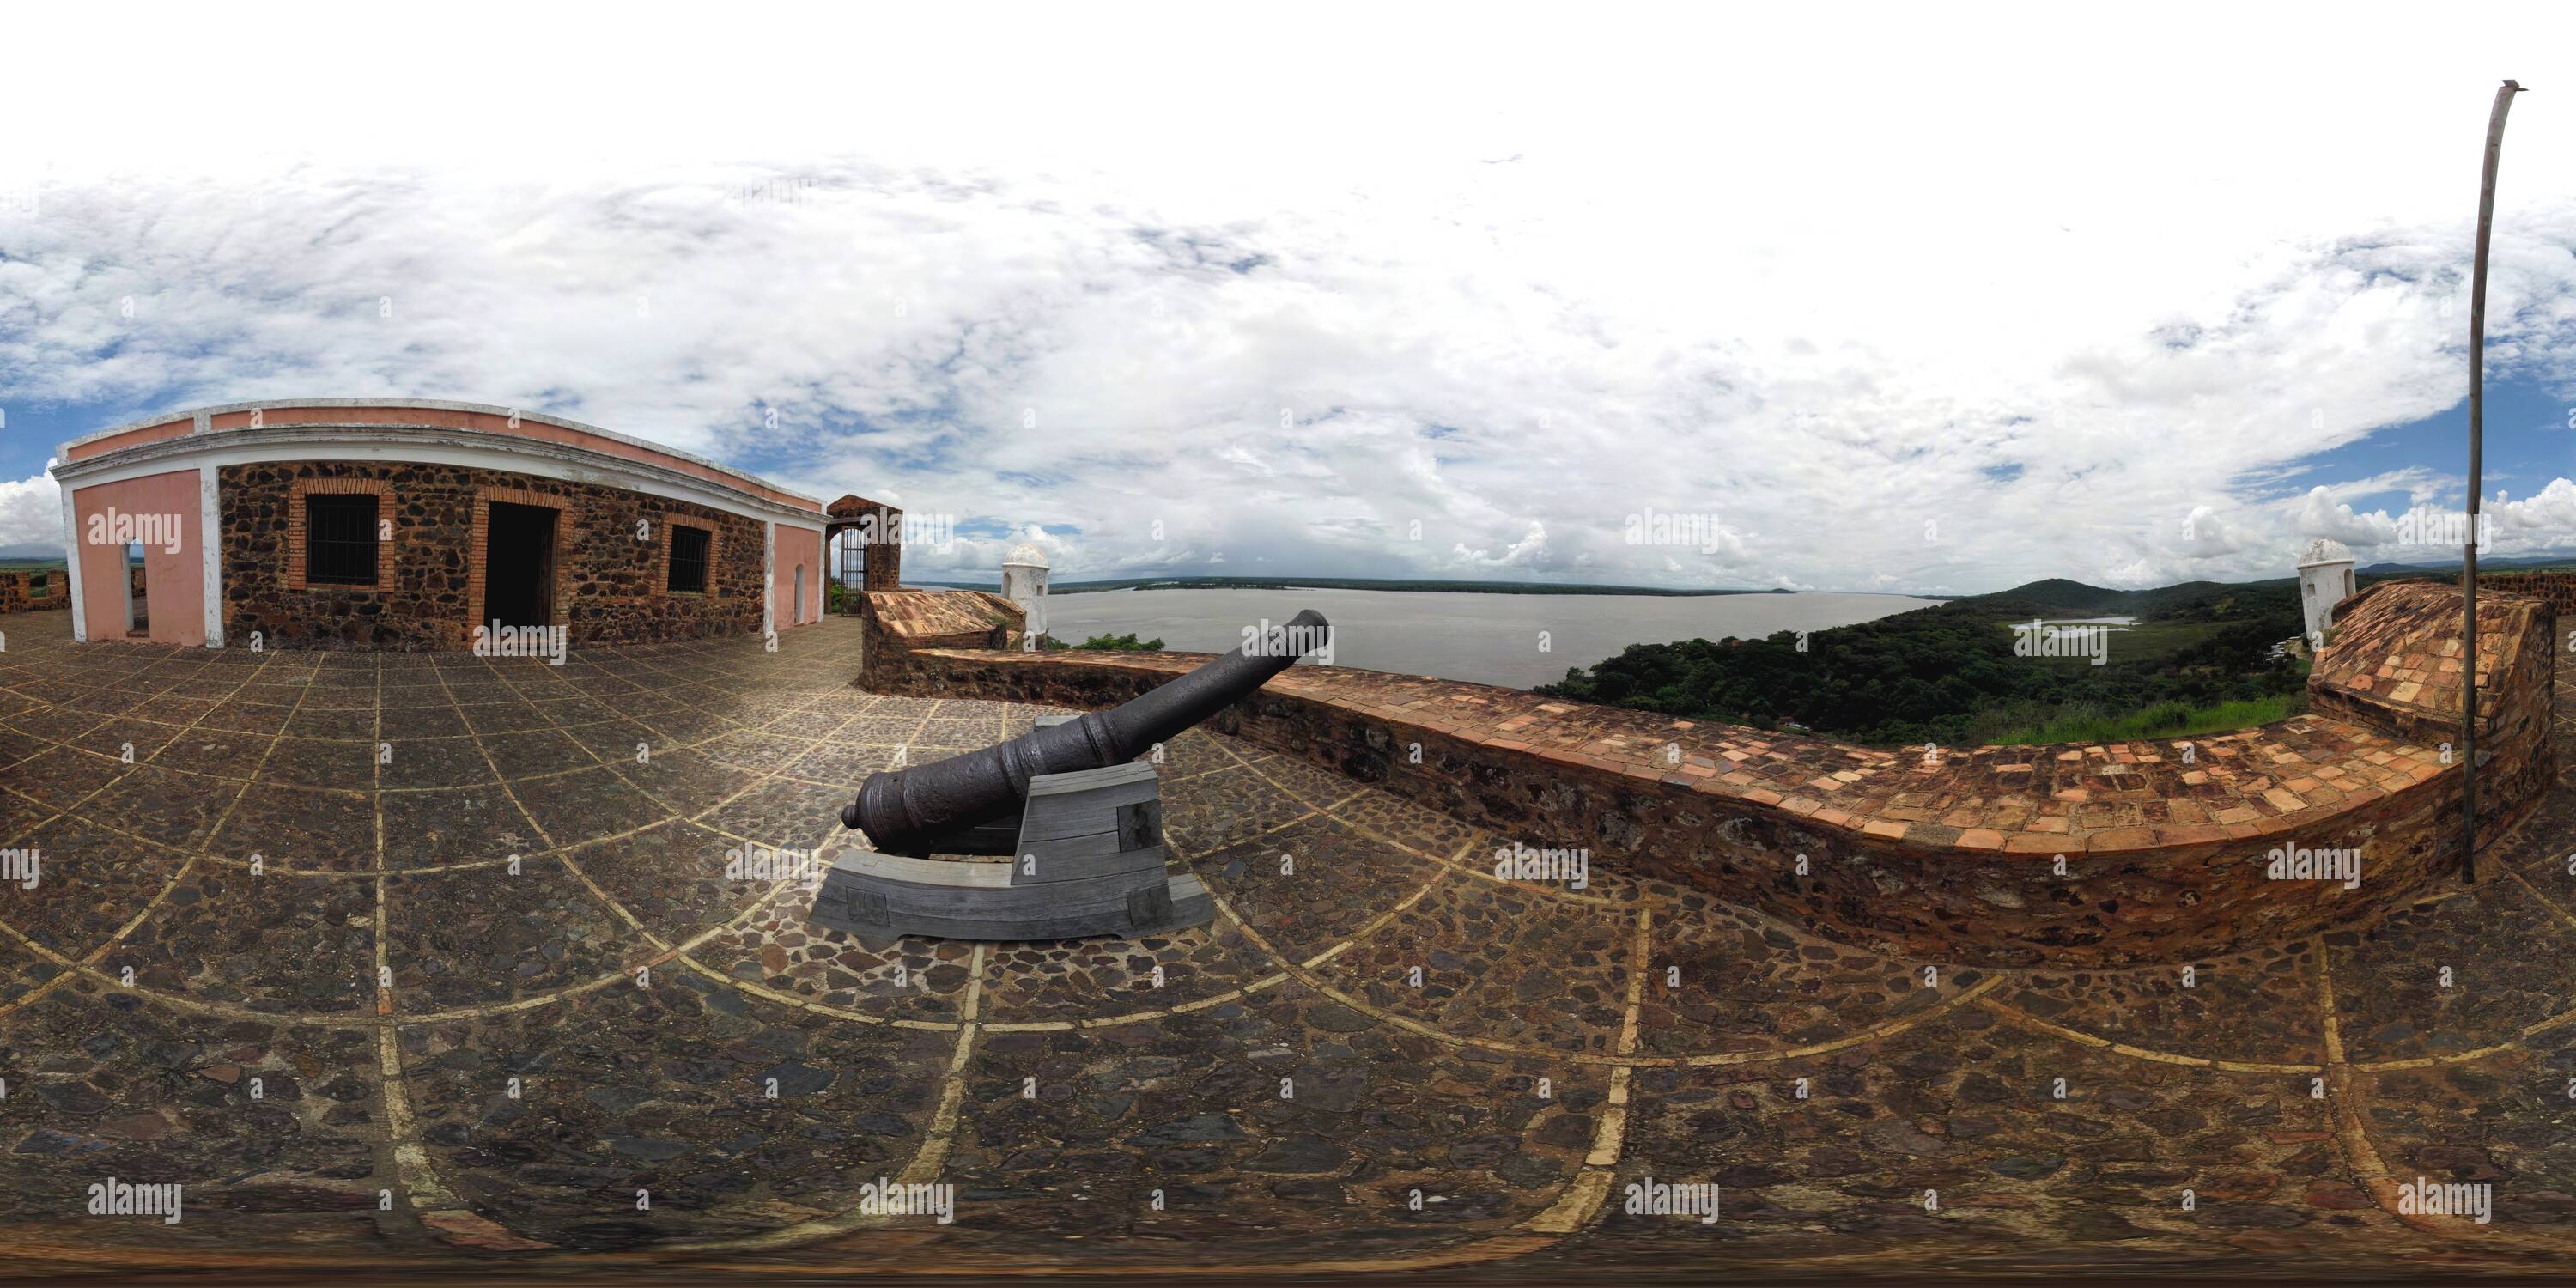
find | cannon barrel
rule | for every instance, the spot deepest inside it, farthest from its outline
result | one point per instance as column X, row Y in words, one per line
column 906, row 810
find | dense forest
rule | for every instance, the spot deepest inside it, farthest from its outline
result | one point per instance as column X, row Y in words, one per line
column 1948, row 674
column 1127, row 643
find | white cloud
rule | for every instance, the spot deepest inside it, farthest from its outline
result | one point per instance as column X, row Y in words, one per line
column 2320, row 515
column 2205, row 535
column 1827, row 335
column 2542, row 521
column 31, row 517
column 1531, row 551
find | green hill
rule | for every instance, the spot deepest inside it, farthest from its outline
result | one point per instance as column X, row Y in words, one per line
column 1950, row 673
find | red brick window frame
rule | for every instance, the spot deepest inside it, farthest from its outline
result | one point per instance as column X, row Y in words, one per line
column 295, row 530
column 670, row 525
column 478, row 547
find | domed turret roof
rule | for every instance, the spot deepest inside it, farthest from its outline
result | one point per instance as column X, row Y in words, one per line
column 1025, row 553
column 2325, row 550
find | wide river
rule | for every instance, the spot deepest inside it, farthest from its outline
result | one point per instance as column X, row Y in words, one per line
column 1515, row 640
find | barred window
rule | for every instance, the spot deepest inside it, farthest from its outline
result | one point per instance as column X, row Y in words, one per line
column 689, row 559
column 37, row 582
column 340, row 539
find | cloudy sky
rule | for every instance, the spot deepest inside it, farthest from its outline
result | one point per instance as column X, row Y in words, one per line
column 1879, row 299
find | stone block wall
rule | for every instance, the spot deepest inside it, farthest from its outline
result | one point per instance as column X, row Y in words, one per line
column 19, row 592
column 609, row 586
column 2084, row 855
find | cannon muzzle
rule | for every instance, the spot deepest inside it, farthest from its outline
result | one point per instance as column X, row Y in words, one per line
column 907, row 811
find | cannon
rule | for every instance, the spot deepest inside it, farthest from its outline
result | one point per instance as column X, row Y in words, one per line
column 1083, row 825
column 911, row 811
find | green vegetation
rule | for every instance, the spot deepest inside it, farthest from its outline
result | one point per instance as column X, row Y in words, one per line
column 2163, row 720
column 1949, row 674
column 1126, row 643
column 2148, row 641
column 2451, row 566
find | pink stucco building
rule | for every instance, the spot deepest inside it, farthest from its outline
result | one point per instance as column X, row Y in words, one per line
column 409, row 524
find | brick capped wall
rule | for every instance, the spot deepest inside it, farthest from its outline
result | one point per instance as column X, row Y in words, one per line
column 895, row 625
column 609, row 586
column 2164, row 845
column 2393, row 663
column 2557, row 588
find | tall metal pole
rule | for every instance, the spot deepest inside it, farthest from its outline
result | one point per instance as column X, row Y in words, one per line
column 2469, row 553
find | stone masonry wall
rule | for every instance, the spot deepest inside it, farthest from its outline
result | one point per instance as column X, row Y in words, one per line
column 18, row 592
column 2077, row 854
column 877, row 526
column 609, row 586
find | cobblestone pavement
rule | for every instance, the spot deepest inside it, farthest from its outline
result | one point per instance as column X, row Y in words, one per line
column 406, row 961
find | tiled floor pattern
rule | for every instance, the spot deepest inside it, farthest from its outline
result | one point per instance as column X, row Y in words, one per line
column 407, row 960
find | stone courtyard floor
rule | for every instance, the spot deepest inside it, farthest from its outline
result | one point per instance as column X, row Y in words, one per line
column 410, row 963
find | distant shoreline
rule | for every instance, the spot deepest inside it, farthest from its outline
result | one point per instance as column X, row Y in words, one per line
column 1394, row 584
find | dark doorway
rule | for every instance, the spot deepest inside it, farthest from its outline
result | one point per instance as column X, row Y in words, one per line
column 138, row 615
column 519, row 565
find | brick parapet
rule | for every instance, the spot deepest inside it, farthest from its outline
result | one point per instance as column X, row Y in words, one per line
column 896, row 626
column 1955, row 856
column 2557, row 589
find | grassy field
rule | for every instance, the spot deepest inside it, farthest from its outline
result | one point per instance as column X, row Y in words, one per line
column 2143, row 641
column 2164, row 720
